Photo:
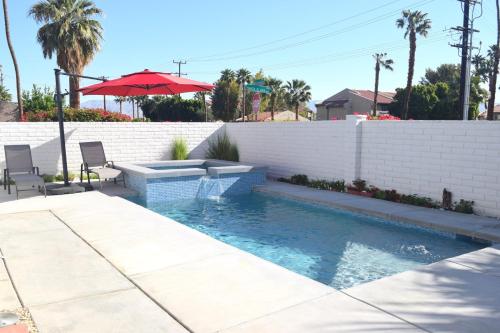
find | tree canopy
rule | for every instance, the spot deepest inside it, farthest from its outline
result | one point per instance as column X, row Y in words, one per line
column 437, row 96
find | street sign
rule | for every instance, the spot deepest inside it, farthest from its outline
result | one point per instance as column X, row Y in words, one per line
column 256, row 103
column 258, row 82
column 258, row 89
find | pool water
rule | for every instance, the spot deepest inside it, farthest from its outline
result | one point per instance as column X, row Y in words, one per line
column 335, row 247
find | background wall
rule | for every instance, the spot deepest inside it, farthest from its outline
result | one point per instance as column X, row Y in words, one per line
column 122, row 141
column 420, row 157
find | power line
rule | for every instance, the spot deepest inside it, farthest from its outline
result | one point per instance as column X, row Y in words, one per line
column 346, row 55
column 371, row 10
column 315, row 38
column 180, row 63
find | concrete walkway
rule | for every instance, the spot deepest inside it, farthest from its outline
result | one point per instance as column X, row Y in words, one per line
column 89, row 262
column 475, row 226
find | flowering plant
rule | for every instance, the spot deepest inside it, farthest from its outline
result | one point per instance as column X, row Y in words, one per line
column 382, row 117
column 83, row 115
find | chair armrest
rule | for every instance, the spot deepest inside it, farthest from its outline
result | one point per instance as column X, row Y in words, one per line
column 110, row 163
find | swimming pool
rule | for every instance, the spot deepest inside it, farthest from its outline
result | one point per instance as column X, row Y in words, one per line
column 335, row 247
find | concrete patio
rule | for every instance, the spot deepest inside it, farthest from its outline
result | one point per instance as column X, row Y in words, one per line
column 92, row 262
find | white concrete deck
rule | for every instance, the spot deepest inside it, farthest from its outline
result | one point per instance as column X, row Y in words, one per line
column 90, row 262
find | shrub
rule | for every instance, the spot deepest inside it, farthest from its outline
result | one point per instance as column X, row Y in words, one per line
column 464, row 206
column 337, row 185
column 222, row 149
column 83, row 115
column 179, row 149
column 299, row 180
column 416, row 200
column 38, row 99
column 359, row 185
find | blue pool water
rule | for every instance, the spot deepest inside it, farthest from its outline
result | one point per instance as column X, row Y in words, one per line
column 335, row 247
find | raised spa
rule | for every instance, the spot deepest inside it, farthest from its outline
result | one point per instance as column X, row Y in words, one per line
column 172, row 180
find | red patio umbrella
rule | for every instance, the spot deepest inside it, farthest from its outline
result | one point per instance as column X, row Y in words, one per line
column 146, row 83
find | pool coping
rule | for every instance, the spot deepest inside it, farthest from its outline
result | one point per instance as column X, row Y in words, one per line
column 479, row 228
column 217, row 167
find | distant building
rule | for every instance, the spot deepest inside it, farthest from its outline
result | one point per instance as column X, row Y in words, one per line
column 278, row 116
column 496, row 113
column 350, row 101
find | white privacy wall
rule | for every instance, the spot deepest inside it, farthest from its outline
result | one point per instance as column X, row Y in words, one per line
column 317, row 149
column 420, row 157
column 413, row 157
column 122, row 141
column 423, row 157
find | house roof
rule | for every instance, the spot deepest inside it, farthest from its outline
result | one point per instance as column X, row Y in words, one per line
column 384, row 97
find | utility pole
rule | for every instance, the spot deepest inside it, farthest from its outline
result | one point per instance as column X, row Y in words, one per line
column 179, row 63
column 466, row 46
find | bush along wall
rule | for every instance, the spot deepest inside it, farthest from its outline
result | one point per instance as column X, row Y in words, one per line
column 360, row 187
column 82, row 115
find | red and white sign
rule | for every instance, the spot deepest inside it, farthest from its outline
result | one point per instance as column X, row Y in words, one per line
column 256, row 103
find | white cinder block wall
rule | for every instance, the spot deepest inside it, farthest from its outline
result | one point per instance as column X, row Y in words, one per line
column 421, row 157
column 122, row 141
column 317, row 149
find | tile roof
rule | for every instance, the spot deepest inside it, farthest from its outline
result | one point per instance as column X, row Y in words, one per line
column 383, row 97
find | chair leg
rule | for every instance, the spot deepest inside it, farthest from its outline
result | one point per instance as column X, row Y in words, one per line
column 4, row 179
column 44, row 191
column 81, row 173
column 8, row 184
column 17, row 193
column 88, row 177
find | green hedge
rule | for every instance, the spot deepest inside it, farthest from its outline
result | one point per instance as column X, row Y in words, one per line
column 83, row 115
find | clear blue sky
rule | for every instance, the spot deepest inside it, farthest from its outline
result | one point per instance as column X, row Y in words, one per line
column 327, row 43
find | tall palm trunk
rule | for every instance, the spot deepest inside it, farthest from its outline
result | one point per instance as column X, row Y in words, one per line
column 74, row 95
column 494, row 70
column 133, row 109
column 377, row 73
column 411, row 70
column 297, row 112
column 14, row 60
column 121, row 106
column 273, row 102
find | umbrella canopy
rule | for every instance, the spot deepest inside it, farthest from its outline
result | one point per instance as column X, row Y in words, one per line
column 146, row 83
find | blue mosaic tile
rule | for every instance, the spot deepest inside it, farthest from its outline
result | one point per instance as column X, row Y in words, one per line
column 189, row 187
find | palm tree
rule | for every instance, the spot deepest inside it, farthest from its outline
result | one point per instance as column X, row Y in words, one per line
column 495, row 55
column 277, row 91
column 415, row 23
column 243, row 76
column 14, row 60
column 120, row 100
column 380, row 61
column 227, row 75
column 297, row 92
column 70, row 31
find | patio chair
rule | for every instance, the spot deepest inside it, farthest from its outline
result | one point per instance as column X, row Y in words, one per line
column 20, row 169
column 94, row 161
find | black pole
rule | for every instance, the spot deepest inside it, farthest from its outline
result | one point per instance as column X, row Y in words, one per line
column 60, row 117
column 465, row 52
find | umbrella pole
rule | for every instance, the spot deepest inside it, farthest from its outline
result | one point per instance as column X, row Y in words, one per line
column 60, row 117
